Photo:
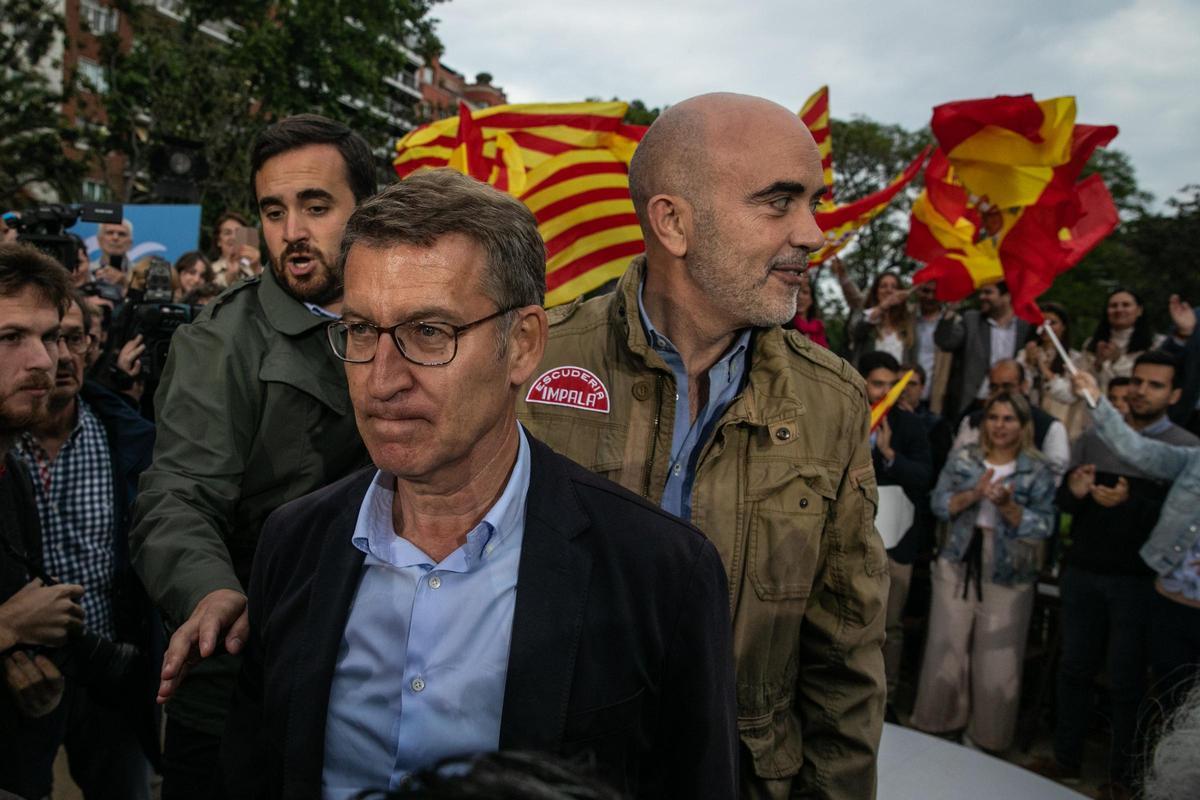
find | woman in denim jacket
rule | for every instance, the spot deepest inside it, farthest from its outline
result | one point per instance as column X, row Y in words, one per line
column 1173, row 547
column 998, row 497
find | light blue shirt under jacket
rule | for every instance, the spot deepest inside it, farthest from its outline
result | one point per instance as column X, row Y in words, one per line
column 688, row 438
column 421, row 668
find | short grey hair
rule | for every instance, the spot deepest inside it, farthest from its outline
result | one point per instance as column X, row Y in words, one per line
column 429, row 205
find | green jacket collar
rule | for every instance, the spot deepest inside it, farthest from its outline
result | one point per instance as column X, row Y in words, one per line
column 770, row 396
column 285, row 313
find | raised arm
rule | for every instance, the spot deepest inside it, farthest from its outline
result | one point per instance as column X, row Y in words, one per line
column 1157, row 459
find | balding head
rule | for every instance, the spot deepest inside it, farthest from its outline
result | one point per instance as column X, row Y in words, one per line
column 690, row 141
column 1007, row 375
column 724, row 186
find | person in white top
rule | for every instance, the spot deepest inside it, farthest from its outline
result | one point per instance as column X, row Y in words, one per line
column 1050, row 435
column 887, row 323
column 1122, row 335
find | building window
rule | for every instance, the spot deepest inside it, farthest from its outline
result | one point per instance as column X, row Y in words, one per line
column 99, row 19
column 93, row 74
column 95, row 192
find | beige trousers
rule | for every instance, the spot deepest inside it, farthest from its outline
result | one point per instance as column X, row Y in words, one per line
column 971, row 674
column 893, row 648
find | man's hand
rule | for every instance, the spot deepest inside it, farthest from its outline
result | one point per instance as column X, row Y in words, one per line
column 220, row 617
column 1081, row 480
column 1111, row 496
column 112, row 275
column 1085, row 385
column 1182, row 315
column 894, row 299
column 39, row 614
column 35, row 683
column 129, row 359
column 883, row 441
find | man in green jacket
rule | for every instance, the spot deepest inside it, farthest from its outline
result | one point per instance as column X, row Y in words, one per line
column 252, row 412
column 682, row 386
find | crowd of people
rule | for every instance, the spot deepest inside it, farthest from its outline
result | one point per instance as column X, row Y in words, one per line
column 376, row 510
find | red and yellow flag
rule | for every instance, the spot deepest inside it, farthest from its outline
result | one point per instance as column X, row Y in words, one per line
column 815, row 115
column 880, row 409
column 841, row 222
column 569, row 162
column 1002, row 199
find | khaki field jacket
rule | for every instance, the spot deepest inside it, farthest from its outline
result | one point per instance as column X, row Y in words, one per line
column 786, row 491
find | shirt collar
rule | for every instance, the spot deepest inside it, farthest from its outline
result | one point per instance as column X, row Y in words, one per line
column 1011, row 322
column 664, row 346
column 31, row 445
column 1155, row 428
column 323, row 313
column 375, row 535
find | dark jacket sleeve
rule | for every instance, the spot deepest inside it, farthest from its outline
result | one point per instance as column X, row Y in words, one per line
column 912, row 468
column 702, row 737
column 950, row 333
column 251, row 765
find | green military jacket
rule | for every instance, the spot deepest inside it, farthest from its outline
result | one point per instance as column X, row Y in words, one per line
column 252, row 412
column 786, row 491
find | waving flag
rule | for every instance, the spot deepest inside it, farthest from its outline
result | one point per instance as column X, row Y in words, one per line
column 815, row 115
column 880, row 409
column 841, row 222
column 569, row 162
column 1002, row 199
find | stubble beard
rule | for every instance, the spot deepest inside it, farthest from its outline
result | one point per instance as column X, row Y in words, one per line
column 322, row 285
column 743, row 293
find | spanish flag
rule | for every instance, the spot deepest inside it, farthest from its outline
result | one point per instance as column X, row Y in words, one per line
column 1003, row 200
column 880, row 409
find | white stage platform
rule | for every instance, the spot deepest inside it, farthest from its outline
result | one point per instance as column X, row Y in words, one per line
column 916, row 766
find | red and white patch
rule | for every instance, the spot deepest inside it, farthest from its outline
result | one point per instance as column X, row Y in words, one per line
column 573, row 387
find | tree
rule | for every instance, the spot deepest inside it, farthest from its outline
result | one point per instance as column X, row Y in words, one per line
column 219, row 91
column 33, row 127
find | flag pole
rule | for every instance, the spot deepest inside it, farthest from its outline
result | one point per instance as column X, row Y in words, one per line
column 1062, row 352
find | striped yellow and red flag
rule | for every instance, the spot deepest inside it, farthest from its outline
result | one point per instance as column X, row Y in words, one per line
column 815, row 115
column 880, row 409
column 841, row 222
column 569, row 162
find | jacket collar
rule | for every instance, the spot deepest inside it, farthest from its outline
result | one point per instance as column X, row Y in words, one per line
column 285, row 313
column 771, row 395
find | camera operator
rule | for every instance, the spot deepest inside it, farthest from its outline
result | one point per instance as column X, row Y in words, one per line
column 116, row 239
column 86, row 454
column 34, row 292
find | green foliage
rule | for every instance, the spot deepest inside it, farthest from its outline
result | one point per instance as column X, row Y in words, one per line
column 179, row 80
column 639, row 114
column 32, row 127
column 867, row 156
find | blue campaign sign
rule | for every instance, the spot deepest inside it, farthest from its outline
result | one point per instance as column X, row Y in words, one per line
column 165, row 231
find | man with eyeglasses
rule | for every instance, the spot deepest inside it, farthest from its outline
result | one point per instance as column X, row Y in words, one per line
column 251, row 412
column 474, row 591
column 85, row 455
column 34, row 292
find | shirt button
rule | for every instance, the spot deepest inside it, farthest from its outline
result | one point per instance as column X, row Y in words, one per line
column 677, row 469
column 488, row 550
column 783, row 434
column 435, row 582
column 1178, row 549
column 804, row 502
column 418, row 685
column 641, row 390
column 1192, row 529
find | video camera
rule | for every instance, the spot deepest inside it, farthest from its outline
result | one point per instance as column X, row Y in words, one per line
column 45, row 227
column 155, row 317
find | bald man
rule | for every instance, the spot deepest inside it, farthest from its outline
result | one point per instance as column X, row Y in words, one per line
column 682, row 386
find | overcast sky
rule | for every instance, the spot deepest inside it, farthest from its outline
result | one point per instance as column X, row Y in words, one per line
column 1134, row 63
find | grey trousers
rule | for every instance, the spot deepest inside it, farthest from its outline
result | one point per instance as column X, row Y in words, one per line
column 893, row 647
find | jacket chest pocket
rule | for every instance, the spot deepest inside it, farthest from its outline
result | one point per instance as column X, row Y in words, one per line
column 786, row 527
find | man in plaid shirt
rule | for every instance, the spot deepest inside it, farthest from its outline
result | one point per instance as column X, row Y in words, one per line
column 84, row 457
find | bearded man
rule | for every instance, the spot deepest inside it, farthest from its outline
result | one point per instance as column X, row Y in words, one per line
column 252, row 412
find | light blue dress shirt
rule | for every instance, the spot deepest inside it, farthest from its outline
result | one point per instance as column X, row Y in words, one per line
column 421, row 668
column 688, row 438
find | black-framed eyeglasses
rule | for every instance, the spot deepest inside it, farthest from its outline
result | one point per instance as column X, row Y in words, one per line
column 429, row 344
column 77, row 341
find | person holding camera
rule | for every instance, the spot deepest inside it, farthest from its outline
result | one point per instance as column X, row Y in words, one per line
column 252, row 411
column 115, row 239
column 34, row 291
column 86, row 454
